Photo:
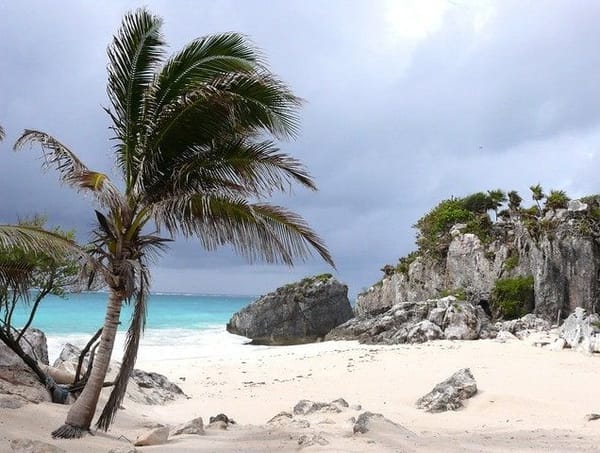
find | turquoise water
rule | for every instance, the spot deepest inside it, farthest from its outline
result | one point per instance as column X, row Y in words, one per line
column 178, row 326
column 84, row 313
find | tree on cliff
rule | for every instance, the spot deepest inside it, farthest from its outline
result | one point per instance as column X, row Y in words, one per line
column 537, row 193
column 194, row 145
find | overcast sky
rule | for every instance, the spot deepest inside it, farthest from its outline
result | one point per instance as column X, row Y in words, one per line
column 408, row 103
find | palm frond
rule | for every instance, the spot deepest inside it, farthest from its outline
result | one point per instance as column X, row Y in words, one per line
column 71, row 169
column 237, row 167
column 37, row 240
column 257, row 231
column 200, row 61
column 1, row 133
column 134, row 58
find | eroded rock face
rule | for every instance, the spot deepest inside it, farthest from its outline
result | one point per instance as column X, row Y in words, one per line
column 416, row 322
column 563, row 260
column 449, row 394
column 302, row 312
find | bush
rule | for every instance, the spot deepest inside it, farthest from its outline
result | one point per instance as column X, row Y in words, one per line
column 557, row 199
column 435, row 225
column 513, row 297
column 459, row 293
column 405, row 262
column 511, row 262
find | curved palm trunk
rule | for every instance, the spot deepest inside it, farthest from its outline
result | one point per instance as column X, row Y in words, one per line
column 82, row 412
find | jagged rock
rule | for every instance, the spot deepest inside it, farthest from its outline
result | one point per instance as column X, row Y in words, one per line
column 195, row 426
column 504, row 336
column 582, row 331
column 33, row 343
column 415, row 322
column 283, row 418
column 157, row 436
column 312, row 439
column 563, row 259
column 301, row 312
column 152, row 388
column 129, row 449
column 33, row 446
column 306, row 407
column 523, row 327
column 577, row 206
column 424, row 331
column 377, row 423
column 449, row 394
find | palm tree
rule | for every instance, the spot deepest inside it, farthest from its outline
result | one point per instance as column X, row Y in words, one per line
column 514, row 203
column 194, row 142
column 537, row 193
column 496, row 197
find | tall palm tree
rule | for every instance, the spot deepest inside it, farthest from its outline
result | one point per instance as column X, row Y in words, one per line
column 194, row 142
column 537, row 193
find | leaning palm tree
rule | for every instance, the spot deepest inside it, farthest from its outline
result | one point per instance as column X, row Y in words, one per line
column 537, row 194
column 195, row 145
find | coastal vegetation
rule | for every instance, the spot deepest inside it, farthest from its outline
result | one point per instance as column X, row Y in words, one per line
column 512, row 297
column 28, row 273
column 195, row 143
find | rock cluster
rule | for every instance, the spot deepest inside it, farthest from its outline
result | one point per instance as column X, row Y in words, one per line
column 417, row 322
column 301, row 312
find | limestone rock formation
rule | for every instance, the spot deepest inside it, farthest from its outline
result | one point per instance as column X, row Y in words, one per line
column 560, row 251
column 449, row 394
column 301, row 312
column 415, row 322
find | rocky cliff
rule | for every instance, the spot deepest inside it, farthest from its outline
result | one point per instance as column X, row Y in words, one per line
column 559, row 250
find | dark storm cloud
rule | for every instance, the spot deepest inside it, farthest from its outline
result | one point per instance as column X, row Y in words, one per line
column 408, row 103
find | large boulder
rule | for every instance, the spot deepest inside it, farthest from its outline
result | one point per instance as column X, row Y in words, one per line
column 416, row 322
column 581, row 331
column 301, row 312
column 33, row 343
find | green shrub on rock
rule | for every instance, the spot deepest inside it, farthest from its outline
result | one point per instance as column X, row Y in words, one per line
column 512, row 297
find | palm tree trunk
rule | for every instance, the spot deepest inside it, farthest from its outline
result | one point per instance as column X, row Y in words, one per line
column 83, row 410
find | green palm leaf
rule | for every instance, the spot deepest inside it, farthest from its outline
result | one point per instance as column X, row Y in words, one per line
column 37, row 240
column 1, row 133
column 134, row 56
column 72, row 170
column 201, row 61
column 257, row 231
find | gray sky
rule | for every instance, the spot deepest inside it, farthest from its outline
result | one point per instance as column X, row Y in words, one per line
column 408, row 103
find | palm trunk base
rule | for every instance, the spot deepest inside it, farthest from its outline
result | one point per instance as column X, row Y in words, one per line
column 67, row 431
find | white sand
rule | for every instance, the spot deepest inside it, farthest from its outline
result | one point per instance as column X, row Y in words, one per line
column 529, row 399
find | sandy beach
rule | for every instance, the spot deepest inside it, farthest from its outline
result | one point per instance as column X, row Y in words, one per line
column 529, row 399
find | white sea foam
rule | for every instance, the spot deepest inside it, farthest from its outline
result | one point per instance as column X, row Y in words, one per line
column 166, row 344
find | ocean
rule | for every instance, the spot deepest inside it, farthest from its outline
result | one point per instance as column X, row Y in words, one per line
column 178, row 325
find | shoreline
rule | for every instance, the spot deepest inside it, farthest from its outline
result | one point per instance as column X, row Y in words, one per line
column 529, row 399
